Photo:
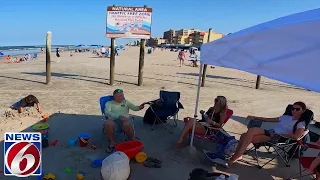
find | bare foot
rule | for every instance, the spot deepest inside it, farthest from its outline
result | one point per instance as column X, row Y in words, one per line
column 230, row 162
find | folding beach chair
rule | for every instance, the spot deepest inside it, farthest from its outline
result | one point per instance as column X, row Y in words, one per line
column 166, row 108
column 212, row 132
column 305, row 162
column 284, row 147
column 103, row 101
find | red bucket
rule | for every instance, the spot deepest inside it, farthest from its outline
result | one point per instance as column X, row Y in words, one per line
column 130, row 148
column 84, row 139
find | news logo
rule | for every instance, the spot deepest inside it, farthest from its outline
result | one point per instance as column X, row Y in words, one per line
column 22, row 156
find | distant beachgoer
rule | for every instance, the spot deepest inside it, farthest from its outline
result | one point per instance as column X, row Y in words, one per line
column 103, row 50
column 27, row 57
column 58, row 53
column 116, row 52
column 42, row 51
column 9, row 59
column 26, row 102
column 181, row 57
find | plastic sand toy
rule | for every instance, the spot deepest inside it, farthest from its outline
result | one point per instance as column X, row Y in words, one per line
column 68, row 170
column 43, row 128
column 49, row 176
column 45, row 116
column 72, row 142
column 93, row 146
column 80, row 177
column 141, row 157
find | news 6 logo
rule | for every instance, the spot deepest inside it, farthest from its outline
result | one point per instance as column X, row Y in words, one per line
column 22, row 154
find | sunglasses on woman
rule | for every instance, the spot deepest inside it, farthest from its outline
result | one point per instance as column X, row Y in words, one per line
column 295, row 109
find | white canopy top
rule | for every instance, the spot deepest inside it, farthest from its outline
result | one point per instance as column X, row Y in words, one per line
column 286, row 49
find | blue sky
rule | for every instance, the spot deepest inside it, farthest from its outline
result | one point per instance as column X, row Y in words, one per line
column 25, row 22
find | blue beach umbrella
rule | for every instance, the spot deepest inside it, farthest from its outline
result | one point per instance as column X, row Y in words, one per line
column 1, row 54
column 80, row 45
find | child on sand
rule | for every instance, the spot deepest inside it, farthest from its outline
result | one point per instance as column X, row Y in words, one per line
column 26, row 102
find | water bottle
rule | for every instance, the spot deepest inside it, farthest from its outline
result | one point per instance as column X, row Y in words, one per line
column 233, row 177
column 221, row 177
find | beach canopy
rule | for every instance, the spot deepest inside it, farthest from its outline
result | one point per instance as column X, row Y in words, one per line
column 284, row 49
column 80, row 45
column 1, row 54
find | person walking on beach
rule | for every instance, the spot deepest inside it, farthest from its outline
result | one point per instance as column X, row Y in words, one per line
column 103, row 50
column 58, row 54
column 26, row 103
column 181, row 57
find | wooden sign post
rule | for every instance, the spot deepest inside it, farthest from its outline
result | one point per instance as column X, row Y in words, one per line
column 204, row 72
column 48, row 57
column 141, row 59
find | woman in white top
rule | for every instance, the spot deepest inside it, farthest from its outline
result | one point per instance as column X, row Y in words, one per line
column 289, row 126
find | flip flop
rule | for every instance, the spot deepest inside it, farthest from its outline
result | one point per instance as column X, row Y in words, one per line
column 154, row 160
column 110, row 149
column 151, row 165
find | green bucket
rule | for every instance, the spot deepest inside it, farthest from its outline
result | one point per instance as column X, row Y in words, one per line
column 43, row 128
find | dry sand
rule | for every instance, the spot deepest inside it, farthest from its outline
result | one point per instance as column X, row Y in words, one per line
column 79, row 81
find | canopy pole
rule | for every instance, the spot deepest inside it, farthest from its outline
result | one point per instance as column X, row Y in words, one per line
column 196, row 107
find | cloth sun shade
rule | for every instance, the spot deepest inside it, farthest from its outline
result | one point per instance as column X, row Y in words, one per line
column 285, row 49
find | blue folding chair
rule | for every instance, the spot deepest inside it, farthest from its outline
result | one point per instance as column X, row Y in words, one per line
column 103, row 102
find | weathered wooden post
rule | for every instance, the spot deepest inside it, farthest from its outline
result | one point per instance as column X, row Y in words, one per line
column 112, row 59
column 204, row 72
column 48, row 57
column 258, row 82
column 141, row 59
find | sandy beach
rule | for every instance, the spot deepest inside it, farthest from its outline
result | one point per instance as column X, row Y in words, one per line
column 79, row 81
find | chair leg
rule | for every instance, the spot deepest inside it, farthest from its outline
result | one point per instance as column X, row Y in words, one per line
column 257, row 158
column 154, row 123
column 103, row 129
column 205, row 135
column 175, row 120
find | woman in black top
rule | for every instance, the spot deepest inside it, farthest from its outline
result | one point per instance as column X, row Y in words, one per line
column 215, row 117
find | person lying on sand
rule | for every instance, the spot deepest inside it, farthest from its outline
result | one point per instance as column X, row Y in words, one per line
column 215, row 116
column 117, row 111
column 289, row 126
column 315, row 167
column 27, row 102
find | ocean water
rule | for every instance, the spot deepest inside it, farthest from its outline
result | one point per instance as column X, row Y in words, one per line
column 22, row 50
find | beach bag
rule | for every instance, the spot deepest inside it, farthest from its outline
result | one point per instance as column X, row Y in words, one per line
column 115, row 167
column 228, row 147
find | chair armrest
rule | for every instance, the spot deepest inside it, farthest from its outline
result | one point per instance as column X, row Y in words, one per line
column 209, row 126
